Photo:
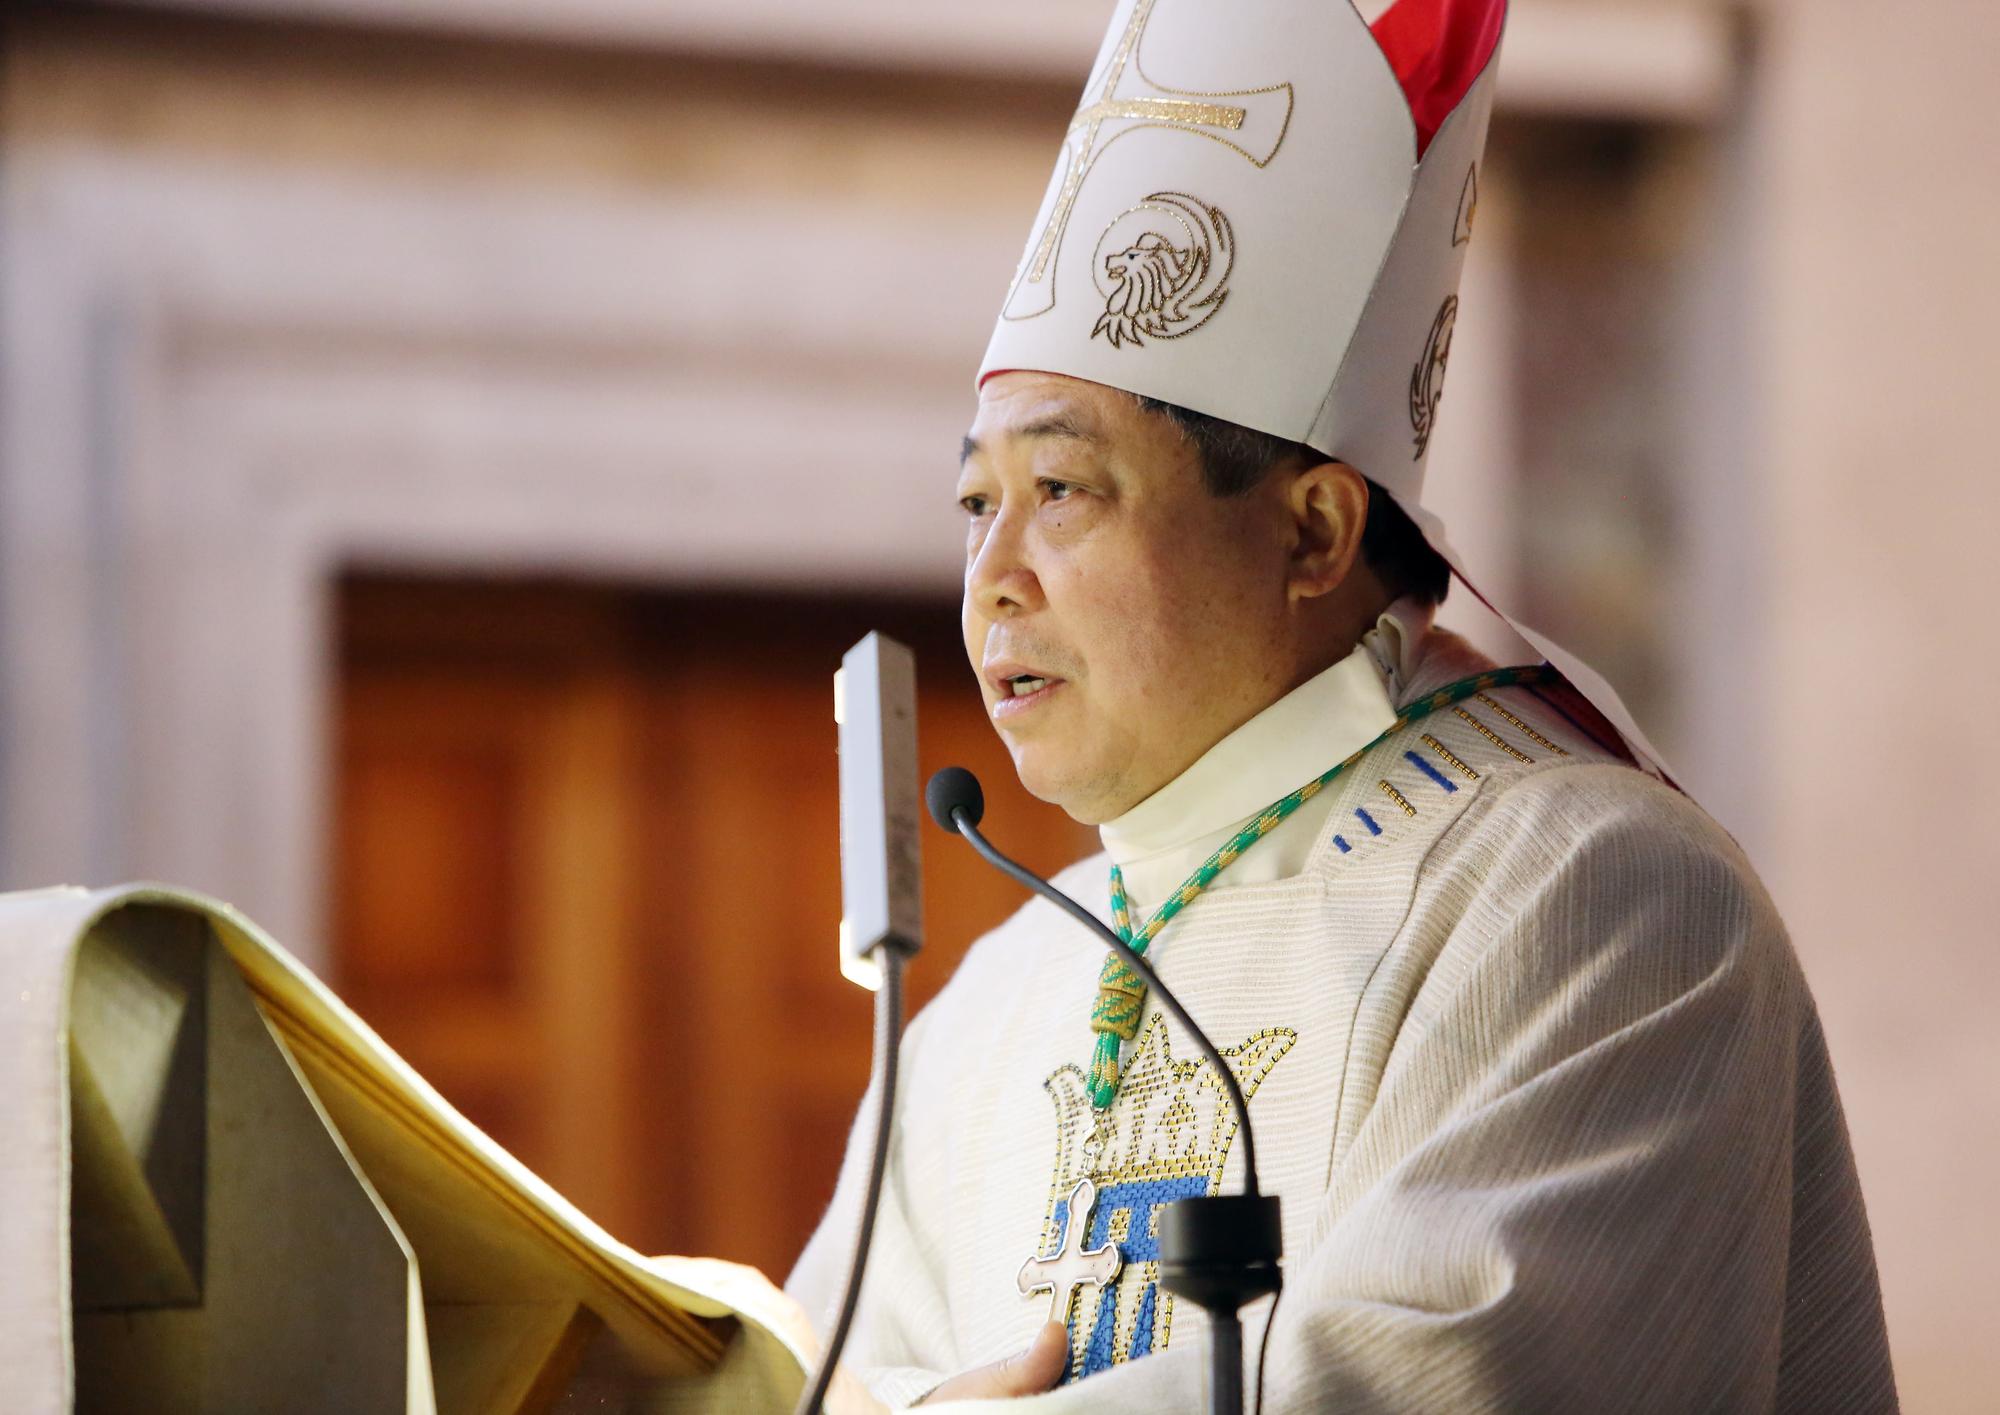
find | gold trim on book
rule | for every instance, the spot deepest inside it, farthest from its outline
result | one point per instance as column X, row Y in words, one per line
column 685, row 1327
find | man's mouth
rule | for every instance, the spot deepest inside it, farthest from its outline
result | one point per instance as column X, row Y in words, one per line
column 1024, row 693
column 1018, row 687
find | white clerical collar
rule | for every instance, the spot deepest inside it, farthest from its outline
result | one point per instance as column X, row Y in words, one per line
column 1397, row 643
column 1318, row 724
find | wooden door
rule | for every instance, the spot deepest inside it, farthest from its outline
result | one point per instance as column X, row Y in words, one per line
column 586, row 880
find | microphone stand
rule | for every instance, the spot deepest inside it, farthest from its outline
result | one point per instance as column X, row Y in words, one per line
column 892, row 955
column 1220, row 1251
column 881, row 927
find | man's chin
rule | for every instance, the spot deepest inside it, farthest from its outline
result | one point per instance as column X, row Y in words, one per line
column 1060, row 782
column 1032, row 769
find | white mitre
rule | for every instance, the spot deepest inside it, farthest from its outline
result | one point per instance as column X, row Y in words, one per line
column 1260, row 212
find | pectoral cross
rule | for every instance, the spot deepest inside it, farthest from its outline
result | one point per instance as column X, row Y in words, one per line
column 1071, row 1266
column 1254, row 128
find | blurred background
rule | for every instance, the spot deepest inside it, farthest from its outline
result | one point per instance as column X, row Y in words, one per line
column 445, row 446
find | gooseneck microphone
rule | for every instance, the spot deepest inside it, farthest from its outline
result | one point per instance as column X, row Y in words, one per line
column 1220, row 1251
column 958, row 804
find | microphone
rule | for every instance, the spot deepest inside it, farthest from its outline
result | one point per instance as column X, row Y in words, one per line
column 881, row 925
column 1220, row 1251
column 953, row 790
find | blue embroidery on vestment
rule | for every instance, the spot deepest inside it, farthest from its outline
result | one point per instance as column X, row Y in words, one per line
column 1344, row 846
column 1142, row 1330
column 1138, row 1201
column 1097, row 1355
column 1369, row 821
column 1432, row 772
column 1169, row 1139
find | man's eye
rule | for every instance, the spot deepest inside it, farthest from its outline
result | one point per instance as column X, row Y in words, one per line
column 974, row 505
column 1058, row 490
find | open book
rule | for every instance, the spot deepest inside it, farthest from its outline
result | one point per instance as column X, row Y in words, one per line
column 219, row 1192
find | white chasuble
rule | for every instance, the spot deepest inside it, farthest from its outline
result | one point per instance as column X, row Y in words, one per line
column 1532, row 1068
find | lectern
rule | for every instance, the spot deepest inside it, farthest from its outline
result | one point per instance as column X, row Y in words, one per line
column 220, row 1192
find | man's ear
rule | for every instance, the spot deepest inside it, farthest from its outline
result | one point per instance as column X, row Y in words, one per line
column 1328, row 503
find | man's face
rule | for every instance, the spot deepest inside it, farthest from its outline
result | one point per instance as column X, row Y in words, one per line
column 1122, row 620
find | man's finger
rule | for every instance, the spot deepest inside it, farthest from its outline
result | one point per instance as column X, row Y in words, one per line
column 1038, row 1367
column 1034, row 1368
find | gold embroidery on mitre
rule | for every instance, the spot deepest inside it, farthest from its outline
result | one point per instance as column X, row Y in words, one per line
column 1168, row 1135
column 1468, row 207
column 1163, row 269
column 1237, row 126
column 1427, row 380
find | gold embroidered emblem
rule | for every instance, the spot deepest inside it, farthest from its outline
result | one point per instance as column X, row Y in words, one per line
column 1468, row 207
column 1121, row 98
column 1163, row 269
column 1427, row 379
column 1166, row 1138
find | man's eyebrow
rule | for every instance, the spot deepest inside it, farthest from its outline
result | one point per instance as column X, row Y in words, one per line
column 1065, row 425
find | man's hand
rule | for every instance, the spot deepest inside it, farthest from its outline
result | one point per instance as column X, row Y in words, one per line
column 1026, row 1372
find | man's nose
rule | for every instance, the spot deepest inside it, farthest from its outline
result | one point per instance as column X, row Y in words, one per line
column 999, row 581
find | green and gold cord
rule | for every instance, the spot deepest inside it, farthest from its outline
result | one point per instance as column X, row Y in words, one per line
column 1121, row 994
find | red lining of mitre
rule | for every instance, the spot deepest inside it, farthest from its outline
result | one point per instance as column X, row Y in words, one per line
column 1438, row 49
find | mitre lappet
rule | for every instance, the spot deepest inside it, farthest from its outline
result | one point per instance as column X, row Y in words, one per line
column 1260, row 212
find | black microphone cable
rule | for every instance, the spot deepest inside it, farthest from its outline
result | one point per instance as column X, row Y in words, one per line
column 1264, row 1346
column 1220, row 1251
column 888, row 1050
column 957, row 803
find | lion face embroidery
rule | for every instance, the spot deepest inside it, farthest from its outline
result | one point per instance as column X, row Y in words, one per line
column 1163, row 269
